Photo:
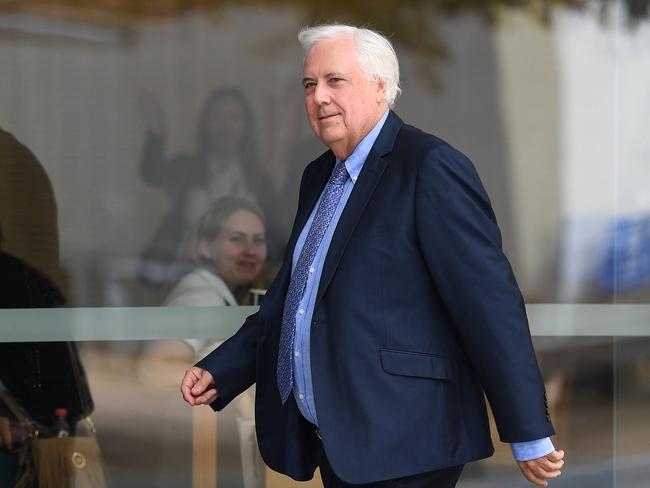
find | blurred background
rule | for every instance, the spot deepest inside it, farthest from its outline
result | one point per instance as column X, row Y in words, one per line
column 122, row 122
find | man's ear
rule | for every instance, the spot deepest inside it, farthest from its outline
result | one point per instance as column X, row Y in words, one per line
column 381, row 91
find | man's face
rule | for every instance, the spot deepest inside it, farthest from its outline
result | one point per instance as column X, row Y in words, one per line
column 342, row 104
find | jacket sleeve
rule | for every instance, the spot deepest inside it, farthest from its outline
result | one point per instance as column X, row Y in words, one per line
column 232, row 364
column 461, row 244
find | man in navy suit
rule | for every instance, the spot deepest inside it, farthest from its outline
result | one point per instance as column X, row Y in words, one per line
column 395, row 308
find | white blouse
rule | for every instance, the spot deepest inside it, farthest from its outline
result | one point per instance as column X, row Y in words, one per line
column 201, row 288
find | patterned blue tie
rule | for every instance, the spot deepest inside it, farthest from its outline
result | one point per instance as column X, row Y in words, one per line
column 322, row 219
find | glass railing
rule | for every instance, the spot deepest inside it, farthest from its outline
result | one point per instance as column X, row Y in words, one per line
column 595, row 360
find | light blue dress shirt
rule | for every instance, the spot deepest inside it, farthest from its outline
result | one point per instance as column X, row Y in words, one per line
column 303, row 390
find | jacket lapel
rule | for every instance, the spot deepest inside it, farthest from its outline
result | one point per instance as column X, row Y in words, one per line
column 372, row 170
column 314, row 184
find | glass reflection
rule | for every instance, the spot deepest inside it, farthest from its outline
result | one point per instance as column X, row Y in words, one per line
column 225, row 163
column 551, row 101
column 37, row 379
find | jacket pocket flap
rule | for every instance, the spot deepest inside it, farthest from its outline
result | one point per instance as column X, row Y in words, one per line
column 415, row 364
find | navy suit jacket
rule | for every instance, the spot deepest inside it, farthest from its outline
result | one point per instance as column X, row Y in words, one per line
column 417, row 315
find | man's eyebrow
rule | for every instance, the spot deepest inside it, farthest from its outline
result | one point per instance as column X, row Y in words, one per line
column 331, row 74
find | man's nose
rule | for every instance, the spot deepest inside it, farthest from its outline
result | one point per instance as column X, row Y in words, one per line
column 321, row 94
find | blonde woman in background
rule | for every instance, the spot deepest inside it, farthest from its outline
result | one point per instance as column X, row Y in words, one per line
column 229, row 249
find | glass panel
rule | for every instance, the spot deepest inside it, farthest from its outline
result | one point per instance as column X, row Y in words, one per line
column 631, row 407
column 597, row 386
column 151, row 437
column 121, row 123
column 127, row 120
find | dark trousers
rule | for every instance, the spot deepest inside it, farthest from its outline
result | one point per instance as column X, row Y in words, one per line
column 442, row 478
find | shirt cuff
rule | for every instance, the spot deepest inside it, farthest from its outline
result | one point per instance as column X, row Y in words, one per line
column 525, row 451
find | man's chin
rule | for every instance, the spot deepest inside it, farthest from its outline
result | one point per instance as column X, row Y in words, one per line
column 330, row 137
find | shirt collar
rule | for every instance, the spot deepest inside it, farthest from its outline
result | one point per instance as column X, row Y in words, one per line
column 354, row 163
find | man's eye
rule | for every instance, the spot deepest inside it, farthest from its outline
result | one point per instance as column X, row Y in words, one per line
column 309, row 85
column 236, row 238
column 335, row 80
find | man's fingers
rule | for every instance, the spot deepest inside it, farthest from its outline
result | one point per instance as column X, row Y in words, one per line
column 205, row 380
column 555, row 456
column 186, row 386
column 543, row 473
column 539, row 470
column 550, row 474
column 195, row 387
column 190, row 379
column 531, row 476
column 549, row 465
column 187, row 396
column 207, row 398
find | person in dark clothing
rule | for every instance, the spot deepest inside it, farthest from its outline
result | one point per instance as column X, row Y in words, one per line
column 38, row 376
column 41, row 376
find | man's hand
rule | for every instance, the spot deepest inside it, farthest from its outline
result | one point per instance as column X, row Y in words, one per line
column 198, row 387
column 5, row 432
column 537, row 471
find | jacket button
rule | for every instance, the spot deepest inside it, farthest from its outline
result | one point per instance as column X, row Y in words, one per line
column 314, row 323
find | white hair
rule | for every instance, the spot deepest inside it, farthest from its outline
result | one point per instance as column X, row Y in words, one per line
column 375, row 53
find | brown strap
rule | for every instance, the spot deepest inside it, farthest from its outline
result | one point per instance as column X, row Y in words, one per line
column 90, row 426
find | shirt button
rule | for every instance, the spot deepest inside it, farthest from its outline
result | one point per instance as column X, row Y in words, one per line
column 301, row 396
column 297, row 354
column 301, row 311
column 312, row 270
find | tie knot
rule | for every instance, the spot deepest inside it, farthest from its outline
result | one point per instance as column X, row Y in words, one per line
column 339, row 175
